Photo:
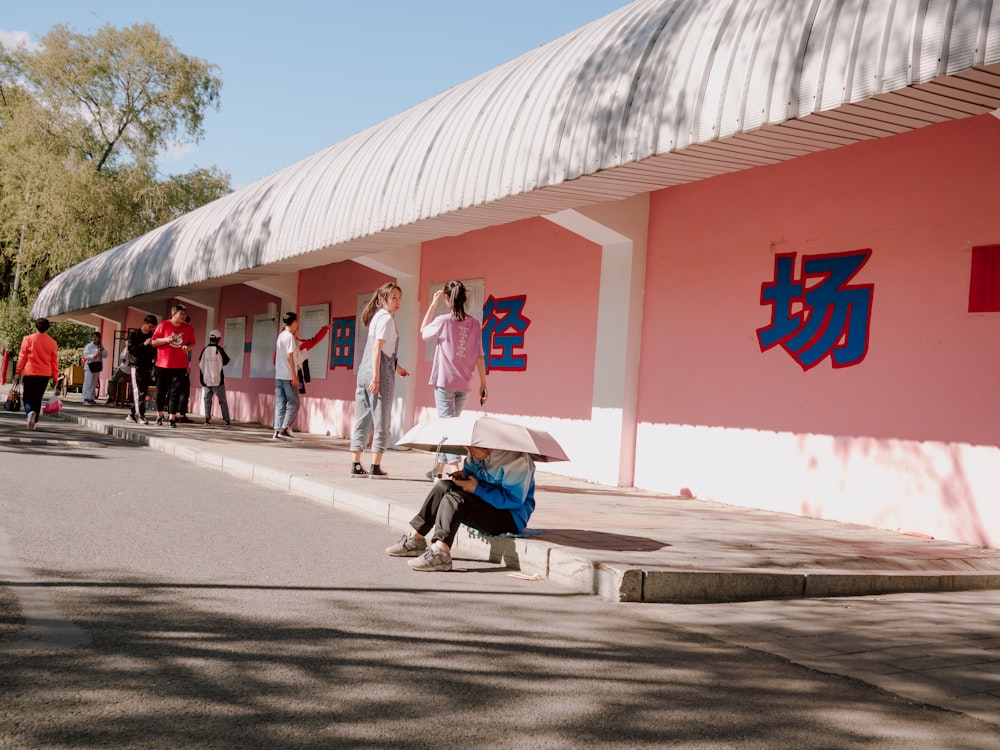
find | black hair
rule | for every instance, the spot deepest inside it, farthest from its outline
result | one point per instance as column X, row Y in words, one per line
column 151, row 319
column 42, row 325
column 288, row 318
column 455, row 292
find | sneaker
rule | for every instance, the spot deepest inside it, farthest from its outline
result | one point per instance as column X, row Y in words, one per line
column 431, row 561
column 32, row 418
column 408, row 546
column 228, row 423
column 287, row 433
column 159, row 421
column 432, row 476
column 376, row 472
column 143, row 420
column 357, row 470
column 131, row 418
column 173, row 422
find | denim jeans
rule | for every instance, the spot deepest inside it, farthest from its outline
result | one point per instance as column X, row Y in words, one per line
column 449, row 404
column 286, row 404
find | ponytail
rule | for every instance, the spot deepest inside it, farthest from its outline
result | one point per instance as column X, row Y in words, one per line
column 377, row 301
column 455, row 291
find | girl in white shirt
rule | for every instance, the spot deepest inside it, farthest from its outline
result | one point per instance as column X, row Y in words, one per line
column 376, row 380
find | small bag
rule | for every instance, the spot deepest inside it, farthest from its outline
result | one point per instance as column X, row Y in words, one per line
column 53, row 406
column 13, row 402
column 95, row 366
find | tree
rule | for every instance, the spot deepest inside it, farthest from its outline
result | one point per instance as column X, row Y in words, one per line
column 82, row 122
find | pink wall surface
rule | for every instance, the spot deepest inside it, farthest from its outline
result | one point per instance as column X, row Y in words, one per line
column 904, row 439
column 328, row 406
column 250, row 399
column 559, row 274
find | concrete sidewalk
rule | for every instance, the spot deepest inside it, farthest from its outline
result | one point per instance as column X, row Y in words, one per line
column 622, row 544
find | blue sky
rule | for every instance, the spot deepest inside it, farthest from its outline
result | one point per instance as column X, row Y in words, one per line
column 301, row 75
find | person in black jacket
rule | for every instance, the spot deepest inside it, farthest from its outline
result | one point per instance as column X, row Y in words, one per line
column 141, row 356
column 213, row 380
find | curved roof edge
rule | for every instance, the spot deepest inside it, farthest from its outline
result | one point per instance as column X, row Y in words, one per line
column 658, row 93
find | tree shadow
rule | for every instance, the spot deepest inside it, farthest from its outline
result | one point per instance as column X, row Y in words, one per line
column 179, row 666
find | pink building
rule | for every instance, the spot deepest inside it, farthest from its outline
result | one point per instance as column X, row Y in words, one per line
column 738, row 251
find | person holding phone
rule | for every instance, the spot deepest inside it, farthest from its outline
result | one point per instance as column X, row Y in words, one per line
column 494, row 493
column 458, row 356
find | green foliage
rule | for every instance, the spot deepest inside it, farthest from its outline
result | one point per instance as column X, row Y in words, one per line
column 71, row 335
column 82, row 122
column 15, row 324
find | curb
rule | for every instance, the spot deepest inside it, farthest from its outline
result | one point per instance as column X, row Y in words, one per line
column 569, row 567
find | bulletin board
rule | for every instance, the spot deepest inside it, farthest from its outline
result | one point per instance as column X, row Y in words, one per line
column 263, row 346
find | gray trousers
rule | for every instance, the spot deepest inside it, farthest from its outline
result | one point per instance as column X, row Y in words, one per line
column 373, row 411
column 220, row 391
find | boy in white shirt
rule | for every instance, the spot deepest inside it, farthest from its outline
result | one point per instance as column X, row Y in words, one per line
column 213, row 380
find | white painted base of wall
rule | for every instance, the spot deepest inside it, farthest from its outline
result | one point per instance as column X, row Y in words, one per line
column 946, row 490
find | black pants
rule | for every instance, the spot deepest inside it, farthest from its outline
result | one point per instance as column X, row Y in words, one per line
column 448, row 506
column 141, row 380
column 169, row 382
column 32, row 391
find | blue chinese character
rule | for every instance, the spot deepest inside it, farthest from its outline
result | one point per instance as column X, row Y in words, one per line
column 819, row 314
column 503, row 329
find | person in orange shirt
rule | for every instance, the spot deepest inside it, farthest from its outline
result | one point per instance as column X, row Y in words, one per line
column 37, row 361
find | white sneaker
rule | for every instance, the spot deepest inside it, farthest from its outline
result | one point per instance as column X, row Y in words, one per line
column 32, row 418
column 431, row 561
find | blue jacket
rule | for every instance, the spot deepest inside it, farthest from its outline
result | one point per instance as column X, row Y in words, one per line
column 506, row 481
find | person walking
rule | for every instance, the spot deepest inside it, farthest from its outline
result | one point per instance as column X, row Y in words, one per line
column 213, row 380
column 494, row 494
column 37, row 361
column 376, row 380
column 173, row 339
column 142, row 357
column 458, row 356
column 286, row 378
column 93, row 362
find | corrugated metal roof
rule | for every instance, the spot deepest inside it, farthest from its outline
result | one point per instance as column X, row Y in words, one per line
column 658, row 93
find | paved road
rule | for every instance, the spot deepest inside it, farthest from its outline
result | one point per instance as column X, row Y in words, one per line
column 183, row 608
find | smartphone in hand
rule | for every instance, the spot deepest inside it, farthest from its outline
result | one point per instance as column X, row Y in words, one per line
column 458, row 475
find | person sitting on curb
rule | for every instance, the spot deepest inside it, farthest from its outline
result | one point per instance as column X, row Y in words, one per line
column 124, row 370
column 494, row 494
